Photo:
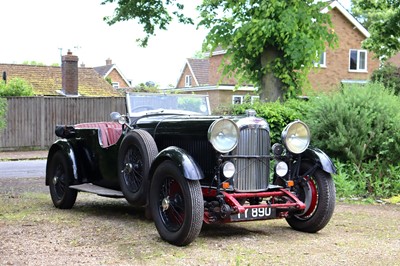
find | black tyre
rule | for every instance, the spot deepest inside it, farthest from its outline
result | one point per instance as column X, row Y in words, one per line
column 135, row 156
column 60, row 177
column 317, row 191
column 176, row 205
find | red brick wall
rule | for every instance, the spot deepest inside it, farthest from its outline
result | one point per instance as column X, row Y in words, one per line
column 337, row 60
column 69, row 70
column 181, row 81
column 215, row 73
column 116, row 77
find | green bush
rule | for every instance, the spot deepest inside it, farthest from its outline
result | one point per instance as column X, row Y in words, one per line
column 372, row 179
column 357, row 125
column 277, row 115
column 15, row 87
column 3, row 112
column 389, row 75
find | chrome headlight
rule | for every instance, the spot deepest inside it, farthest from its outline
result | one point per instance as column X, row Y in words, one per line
column 296, row 137
column 228, row 169
column 281, row 169
column 223, row 135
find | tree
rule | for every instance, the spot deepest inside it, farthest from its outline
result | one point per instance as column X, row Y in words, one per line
column 150, row 14
column 15, row 87
column 382, row 19
column 271, row 44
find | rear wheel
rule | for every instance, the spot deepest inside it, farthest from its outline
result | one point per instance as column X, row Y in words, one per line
column 137, row 152
column 60, row 178
column 176, row 205
column 317, row 191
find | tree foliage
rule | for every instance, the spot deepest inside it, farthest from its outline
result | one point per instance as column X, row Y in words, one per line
column 15, row 87
column 296, row 30
column 151, row 14
column 382, row 19
column 271, row 44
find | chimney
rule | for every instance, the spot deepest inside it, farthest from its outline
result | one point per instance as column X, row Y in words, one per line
column 69, row 70
column 108, row 62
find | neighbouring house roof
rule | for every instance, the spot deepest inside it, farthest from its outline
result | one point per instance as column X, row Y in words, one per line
column 200, row 70
column 104, row 71
column 46, row 80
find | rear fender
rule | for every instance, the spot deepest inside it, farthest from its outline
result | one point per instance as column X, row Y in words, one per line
column 317, row 156
column 65, row 146
column 186, row 164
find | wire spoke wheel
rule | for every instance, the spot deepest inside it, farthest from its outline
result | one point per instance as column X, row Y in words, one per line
column 60, row 177
column 136, row 153
column 317, row 191
column 176, row 205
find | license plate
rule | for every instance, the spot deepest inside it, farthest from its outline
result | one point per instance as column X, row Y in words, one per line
column 254, row 214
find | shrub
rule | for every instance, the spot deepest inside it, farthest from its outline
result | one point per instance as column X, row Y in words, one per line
column 389, row 75
column 277, row 115
column 15, row 87
column 3, row 112
column 357, row 125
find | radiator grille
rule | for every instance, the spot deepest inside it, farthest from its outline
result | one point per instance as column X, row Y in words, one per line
column 252, row 173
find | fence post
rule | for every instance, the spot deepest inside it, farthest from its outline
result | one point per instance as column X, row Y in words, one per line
column 42, row 122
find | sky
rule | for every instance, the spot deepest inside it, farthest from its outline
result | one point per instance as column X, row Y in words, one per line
column 43, row 30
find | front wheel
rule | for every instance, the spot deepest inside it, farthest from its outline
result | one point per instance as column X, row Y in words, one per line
column 60, row 178
column 317, row 191
column 176, row 205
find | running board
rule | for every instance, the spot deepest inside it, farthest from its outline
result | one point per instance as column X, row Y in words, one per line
column 101, row 191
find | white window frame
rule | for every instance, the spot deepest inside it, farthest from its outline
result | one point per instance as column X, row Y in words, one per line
column 188, row 81
column 323, row 59
column 115, row 85
column 358, row 69
column 254, row 98
column 237, row 96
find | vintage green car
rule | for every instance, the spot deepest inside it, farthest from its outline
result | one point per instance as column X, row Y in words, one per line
column 186, row 167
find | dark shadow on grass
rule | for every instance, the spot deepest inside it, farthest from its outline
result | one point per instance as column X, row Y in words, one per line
column 109, row 208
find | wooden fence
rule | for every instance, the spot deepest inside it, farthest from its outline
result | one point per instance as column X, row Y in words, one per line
column 31, row 120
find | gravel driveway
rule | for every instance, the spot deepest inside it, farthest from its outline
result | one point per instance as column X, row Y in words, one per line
column 100, row 231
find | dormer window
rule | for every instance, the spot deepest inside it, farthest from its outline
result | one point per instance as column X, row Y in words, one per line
column 188, row 81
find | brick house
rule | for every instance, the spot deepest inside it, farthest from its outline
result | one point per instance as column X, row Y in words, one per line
column 349, row 63
column 110, row 70
column 54, row 80
column 202, row 76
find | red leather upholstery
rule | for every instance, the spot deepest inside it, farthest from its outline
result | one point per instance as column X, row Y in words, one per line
column 109, row 132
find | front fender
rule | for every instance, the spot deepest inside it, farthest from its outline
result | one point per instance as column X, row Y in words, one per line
column 65, row 146
column 320, row 157
column 186, row 164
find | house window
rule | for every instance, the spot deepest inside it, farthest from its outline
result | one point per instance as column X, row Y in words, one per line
column 255, row 99
column 322, row 61
column 188, row 81
column 115, row 85
column 358, row 60
column 237, row 99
